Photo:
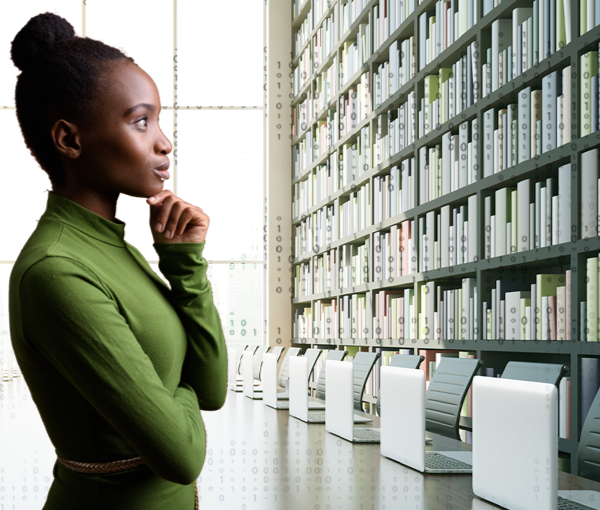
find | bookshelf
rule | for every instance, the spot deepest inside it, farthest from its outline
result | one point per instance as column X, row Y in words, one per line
column 448, row 170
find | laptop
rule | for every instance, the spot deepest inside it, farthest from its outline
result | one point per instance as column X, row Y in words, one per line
column 249, row 387
column 515, row 447
column 300, row 402
column 233, row 361
column 239, row 379
column 403, row 425
column 270, row 393
column 340, row 404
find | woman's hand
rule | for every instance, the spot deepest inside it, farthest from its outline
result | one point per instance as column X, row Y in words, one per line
column 174, row 221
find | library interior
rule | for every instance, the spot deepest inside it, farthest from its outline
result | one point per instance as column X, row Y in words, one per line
column 420, row 302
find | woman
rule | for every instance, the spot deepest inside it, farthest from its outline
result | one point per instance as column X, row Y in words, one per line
column 118, row 364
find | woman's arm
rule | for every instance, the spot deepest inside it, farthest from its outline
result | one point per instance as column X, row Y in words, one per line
column 71, row 319
column 205, row 364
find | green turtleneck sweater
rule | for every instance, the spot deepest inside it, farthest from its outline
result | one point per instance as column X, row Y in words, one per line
column 118, row 364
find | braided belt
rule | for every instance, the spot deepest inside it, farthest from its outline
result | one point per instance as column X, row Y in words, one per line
column 112, row 467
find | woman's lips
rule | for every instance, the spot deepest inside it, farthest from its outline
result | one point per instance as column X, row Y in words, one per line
column 162, row 173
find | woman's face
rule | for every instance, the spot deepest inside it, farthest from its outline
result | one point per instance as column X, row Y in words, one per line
column 118, row 154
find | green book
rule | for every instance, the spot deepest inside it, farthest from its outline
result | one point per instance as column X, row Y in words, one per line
column 431, row 88
column 589, row 68
column 386, row 356
column 583, row 16
column 591, row 294
column 546, row 285
column 352, row 350
column 561, row 33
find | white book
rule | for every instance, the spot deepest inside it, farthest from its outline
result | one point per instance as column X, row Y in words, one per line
column 524, row 131
column 395, row 252
column 429, row 255
column 487, row 215
column 513, row 314
column 444, row 230
column 545, row 319
column 493, row 235
column 561, row 313
column 463, row 141
column 519, row 16
column 523, row 201
column 538, row 223
column 589, row 193
column 543, row 218
column 566, row 86
column 501, row 211
column 499, row 44
column 475, row 149
column 549, row 203
column 488, row 143
column 554, row 229
column 534, row 313
column 472, row 229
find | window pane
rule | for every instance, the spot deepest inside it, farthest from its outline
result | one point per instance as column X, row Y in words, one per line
column 220, row 169
column 146, row 35
column 238, row 296
column 220, row 63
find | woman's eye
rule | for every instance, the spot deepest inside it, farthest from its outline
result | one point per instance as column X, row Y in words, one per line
column 143, row 118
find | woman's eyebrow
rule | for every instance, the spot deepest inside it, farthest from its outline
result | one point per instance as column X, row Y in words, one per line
column 148, row 106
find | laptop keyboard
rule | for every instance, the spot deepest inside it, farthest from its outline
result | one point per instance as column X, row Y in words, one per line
column 364, row 433
column 567, row 504
column 435, row 460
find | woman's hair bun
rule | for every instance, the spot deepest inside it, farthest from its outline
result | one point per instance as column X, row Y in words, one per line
column 38, row 37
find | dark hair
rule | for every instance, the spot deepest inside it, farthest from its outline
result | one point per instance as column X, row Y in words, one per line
column 62, row 77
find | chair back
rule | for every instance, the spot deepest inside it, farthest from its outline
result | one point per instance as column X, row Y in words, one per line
column 445, row 394
column 335, row 355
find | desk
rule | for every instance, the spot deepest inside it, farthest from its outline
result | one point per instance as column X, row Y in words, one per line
column 260, row 458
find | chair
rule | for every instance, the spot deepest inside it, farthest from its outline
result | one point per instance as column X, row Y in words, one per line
column 284, row 372
column 312, row 355
column 445, row 394
column 402, row 361
column 536, row 372
column 588, row 454
column 526, row 371
column 257, row 362
column 335, row 355
column 363, row 365
column 248, row 349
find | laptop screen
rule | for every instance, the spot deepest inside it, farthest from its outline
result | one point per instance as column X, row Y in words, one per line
column 515, row 443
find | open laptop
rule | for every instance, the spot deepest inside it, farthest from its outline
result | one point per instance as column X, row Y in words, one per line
column 233, row 360
column 403, row 424
column 340, row 404
column 239, row 379
column 515, row 447
column 270, row 393
column 249, row 387
column 300, row 403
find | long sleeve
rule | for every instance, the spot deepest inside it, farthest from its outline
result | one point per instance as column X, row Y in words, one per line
column 75, row 322
column 205, row 364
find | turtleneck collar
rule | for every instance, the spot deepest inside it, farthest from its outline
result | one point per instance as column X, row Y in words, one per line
column 84, row 220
